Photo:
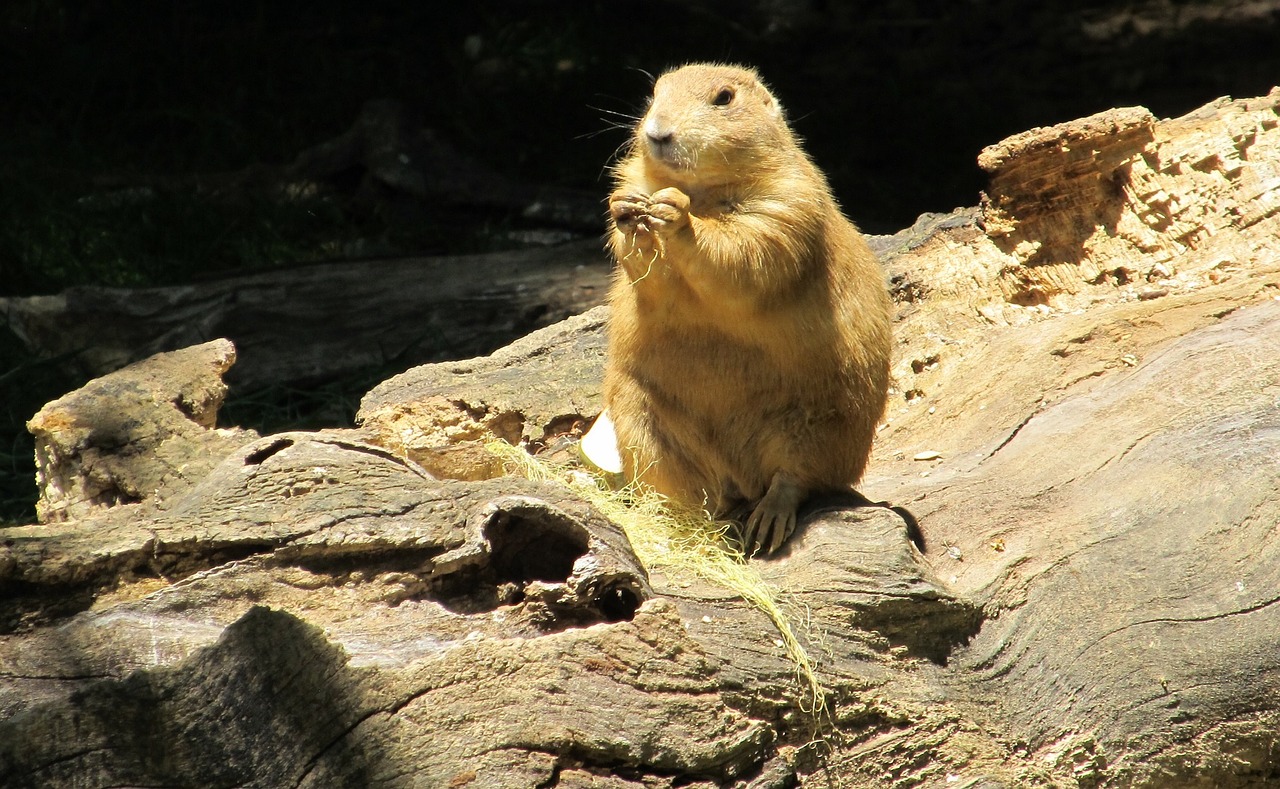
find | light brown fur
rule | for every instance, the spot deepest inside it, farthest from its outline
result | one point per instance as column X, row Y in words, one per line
column 749, row 337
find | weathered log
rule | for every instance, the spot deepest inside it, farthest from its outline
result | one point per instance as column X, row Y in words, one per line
column 542, row 386
column 319, row 322
column 440, row 594
column 1093, row 359
column 1094, row 408
column 130, row 436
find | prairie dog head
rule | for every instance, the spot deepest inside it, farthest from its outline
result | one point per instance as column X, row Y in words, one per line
column 708, row 122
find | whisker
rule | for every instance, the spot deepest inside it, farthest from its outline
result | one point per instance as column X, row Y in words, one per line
column 608, row 128
column 614, row 157
column 652, row 79
column 607, row 111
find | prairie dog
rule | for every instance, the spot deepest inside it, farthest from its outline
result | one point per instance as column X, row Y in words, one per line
column 749, row 337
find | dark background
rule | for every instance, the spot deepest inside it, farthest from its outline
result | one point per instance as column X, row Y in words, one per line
column 113, row 113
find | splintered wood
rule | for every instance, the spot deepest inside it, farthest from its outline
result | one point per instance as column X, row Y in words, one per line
column 1103, row 206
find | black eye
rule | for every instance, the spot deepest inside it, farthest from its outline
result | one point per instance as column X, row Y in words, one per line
column 723, row 97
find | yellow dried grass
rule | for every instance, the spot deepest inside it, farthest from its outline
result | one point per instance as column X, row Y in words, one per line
column 680, row 541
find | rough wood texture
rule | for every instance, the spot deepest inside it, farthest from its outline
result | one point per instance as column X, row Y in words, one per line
column 1099, row 604
column 318, row 322
column 1104, row 406
column 129, row 436
column 541, row 386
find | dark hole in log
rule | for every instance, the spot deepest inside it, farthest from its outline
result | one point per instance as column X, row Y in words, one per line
column 618, row 604
column 533, row 544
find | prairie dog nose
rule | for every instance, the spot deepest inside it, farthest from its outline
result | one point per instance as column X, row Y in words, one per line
column 659, row 133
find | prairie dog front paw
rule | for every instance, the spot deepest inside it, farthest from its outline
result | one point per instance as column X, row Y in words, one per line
column 668, row 210
column 627, row 208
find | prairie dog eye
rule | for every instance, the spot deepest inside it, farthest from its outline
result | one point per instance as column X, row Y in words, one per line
column 723, row 97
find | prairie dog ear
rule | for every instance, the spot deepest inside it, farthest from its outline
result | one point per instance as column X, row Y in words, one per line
column 771, row 102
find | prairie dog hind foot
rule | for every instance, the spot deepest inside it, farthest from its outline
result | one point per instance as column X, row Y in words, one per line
column 774, row 517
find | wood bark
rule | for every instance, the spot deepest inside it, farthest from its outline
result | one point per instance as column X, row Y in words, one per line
column 1086, row 422
column 316, row 323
